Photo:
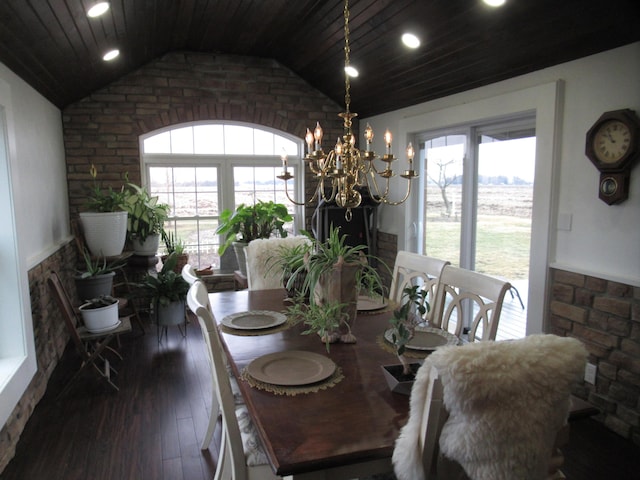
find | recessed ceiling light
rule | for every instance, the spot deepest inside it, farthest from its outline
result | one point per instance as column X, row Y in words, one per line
column 495, row 3
column 410, row 40
column 110, row 55
column 98, row 9
column 351, row 71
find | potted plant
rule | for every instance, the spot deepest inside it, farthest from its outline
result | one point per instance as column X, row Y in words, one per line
column 174, row 244
column 323, row 320
column 291, row 259
column 403, row 323
column 167, row 291
column 336, row 273
column 146, row 219
column 100, row 314
column 104, row 224
column 249, row 222
column 96, row 279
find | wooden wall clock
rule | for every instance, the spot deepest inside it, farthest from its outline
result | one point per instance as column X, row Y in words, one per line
column 613, row 146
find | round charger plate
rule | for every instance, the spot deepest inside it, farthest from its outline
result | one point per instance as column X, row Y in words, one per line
column 366, row 303
column 291, row 368
column 254, row 320
column 427, row 338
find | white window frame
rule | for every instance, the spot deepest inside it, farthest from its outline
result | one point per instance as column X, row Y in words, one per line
column 225, row 164
column 18, row 362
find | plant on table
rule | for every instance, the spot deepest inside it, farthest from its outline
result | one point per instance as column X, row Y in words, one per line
column 404, row 321
column 289, row 259
column 323, row 320
column 336, row 273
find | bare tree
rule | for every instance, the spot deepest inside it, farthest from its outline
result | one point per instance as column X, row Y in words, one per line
column 443, row 181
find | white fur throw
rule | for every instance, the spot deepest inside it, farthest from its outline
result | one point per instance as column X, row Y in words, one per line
column 262, row 272
column 506, row 402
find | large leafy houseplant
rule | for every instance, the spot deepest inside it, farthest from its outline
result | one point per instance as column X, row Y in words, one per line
column 146, row 214
column 248, row 222
column 166, row 286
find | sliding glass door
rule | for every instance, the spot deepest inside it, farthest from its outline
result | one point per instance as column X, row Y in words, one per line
column 477, row 203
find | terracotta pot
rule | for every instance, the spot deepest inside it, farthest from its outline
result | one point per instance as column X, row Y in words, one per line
column 183, row 259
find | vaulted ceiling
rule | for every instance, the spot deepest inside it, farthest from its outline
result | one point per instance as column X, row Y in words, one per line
column 54, row 47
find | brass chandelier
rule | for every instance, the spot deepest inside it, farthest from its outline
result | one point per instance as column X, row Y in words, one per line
column 345, row 169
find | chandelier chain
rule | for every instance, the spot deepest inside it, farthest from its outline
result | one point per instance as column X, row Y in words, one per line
column 347, row 59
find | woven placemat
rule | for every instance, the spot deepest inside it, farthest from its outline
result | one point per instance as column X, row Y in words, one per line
column 261, row 331
column 388, row 347
column 389, row 307
column 291, row 391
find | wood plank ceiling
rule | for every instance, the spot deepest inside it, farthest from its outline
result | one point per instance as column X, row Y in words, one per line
column 54, row 47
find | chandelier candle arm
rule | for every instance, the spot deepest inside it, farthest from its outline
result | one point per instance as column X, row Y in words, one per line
column 346, row 168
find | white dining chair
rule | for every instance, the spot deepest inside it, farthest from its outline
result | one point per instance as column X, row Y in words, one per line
column 189, row 274
column 460, row 291
column 412, row 269
column 472, row 418
column 263, row 272
column 241, row 454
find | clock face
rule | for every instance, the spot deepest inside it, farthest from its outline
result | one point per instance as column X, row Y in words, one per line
column 611, row 141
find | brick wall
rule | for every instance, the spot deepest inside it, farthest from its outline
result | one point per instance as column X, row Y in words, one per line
column 104, row 127
column 605, row 315
column 50, row 336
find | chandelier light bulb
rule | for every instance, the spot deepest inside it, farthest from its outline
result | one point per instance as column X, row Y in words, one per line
column 309, row 139
column 368, row 135
column 410, row 152
column 317, row 135
column 387, row 140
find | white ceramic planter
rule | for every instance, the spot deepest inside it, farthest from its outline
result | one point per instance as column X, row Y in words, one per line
column 148, row 247
column 99, row 320
column 104, row 232
column 172, row 314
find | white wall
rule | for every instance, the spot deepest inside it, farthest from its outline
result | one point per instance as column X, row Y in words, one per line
column 35, row 209
column 39, row 171
column 604, row 240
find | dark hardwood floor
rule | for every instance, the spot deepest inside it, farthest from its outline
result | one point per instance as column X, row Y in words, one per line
column 151, row 429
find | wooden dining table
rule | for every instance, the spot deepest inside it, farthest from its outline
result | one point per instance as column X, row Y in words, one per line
column 347, row 430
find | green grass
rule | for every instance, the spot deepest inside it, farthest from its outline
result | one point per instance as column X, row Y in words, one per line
column 502, row 244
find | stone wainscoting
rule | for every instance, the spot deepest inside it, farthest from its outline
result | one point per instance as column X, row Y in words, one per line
column 51, row 338
column 605, row 315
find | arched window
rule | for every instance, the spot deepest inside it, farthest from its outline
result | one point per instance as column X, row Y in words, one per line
column 201, row 169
